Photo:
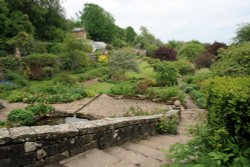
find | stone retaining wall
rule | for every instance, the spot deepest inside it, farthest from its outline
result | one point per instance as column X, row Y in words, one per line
column 40, row 145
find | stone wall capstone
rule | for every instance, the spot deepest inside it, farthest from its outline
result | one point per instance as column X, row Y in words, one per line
column 40, row 145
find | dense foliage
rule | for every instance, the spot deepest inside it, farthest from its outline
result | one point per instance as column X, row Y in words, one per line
column 191, row 50
column 166, row 74
column 204, row 60
column 164, row 53
column 243, row 33
column 234, row 61
column 20, row 117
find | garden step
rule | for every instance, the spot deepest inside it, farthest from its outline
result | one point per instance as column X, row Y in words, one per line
column 92, row 158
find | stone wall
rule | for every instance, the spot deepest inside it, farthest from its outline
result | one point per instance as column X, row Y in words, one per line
column 40, row 145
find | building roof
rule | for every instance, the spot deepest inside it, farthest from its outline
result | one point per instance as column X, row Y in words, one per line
column 78, row 29
column 98, row 45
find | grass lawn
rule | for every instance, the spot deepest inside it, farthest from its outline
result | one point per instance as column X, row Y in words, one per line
column 145, row 71
column 101, row 87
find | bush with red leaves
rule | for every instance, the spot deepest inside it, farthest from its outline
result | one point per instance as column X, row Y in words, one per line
column 205, row 60
column 213, row 49
column 165, row 54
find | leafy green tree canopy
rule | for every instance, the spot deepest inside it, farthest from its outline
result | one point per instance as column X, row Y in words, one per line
column 243, row 33
column 234, row 61
column 122, row 61
column 191, row 50
column 98, row 23
column 148, row 41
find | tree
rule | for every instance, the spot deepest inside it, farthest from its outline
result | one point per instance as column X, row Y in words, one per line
column 214, row 48
column 204, row 60
column 122, row 61
column 23, row 41
column 166, row 74
column 164, row 53
column 234, row 61
column 146, row 40
column 130, row 35
column 98, row 23
column 191, row 50
column 243, row 33
column 45, row 15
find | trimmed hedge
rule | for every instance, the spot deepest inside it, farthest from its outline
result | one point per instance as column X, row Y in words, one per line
column 229, row 107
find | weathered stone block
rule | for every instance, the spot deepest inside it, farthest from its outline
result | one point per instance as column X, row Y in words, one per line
column 22, row 134
column 105, row 141
column 4, row 136
column 5, row 162
column 5, row 151
column 53, row 132
column 17, row 149
column 24, row 159
column 52, row 149
column 31, row 146
column 41, row 153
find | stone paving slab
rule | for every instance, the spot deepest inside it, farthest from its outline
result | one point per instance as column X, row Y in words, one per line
column 106, row 106
column 9, row 107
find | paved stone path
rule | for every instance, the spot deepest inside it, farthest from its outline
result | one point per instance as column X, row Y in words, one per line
column 99, row 107
column 189, row 103
column 106, row 106
column 9, row 107
column 144, row 153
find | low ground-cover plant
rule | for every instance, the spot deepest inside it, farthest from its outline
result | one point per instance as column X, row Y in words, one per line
column 94, row 73
column 47, row 92
column 124, row 88
column 20, row 117
column 165, row 93
column 18, row 79
column 41, row 108
column 167, row 125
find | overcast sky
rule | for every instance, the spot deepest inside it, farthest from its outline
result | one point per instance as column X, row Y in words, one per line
column 203, row 20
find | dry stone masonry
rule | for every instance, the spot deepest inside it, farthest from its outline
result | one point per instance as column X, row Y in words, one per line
column 41, row 145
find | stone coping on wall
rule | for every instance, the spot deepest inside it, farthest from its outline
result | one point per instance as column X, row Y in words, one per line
column 40, row 145
column 32, row 133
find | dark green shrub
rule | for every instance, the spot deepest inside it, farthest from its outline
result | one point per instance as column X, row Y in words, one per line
column 166, row 93
column 123, row 89
column 167, row 125
column 48, row 72
column 2, row 123
column 40, row 108
column 93, row 73
column 166, row 74
column 184, row 67
column 65, row 79
column 191, row 50
column 37, row 62
column 11, row 63
column 18, row 79
column 20, row 117
column 17, row 96
column 233, row 61
column 74, row 60
column 228, row 104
